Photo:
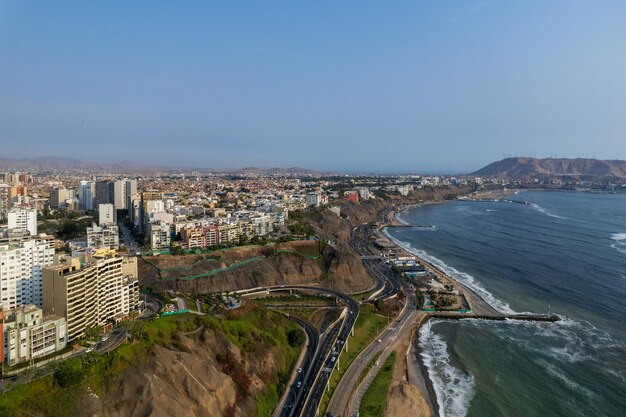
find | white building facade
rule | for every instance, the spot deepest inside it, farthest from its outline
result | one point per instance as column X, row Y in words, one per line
column 21, row 264
column 27, row 334
column 23, row 219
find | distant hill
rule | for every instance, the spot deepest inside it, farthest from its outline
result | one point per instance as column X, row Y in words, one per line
column 554, row 167
column 60, row 164
column 274, row 171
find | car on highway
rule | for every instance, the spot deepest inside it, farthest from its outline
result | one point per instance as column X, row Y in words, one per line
column 299, row 384
column 299, row 370
column 333, row 359
column 104, row 338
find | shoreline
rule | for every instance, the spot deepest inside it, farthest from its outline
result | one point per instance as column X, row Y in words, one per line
column 476, row 298
column 415, row 361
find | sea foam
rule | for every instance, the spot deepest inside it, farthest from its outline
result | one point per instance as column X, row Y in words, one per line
column 544, row 211
column 620, row 242
column 463, row 277
column 453, row 387
column 618, row 236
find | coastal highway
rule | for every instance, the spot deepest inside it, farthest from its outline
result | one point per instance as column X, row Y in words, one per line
column 313, row 382
column 343, row 396
column 330, row 360
column 382, row 273
column 341, row 400
column 307, row 383
column 357, row 244
column 113, row 340
column 291, row 398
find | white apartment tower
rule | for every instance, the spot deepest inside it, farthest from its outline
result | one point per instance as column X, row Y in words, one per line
column 119, row 194
column 106, row 214
column 4, row 200
column 21, row 265
column 160, row 235
column 23, row 219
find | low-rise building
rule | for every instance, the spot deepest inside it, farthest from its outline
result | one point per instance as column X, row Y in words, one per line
column 106, row 236
column 28, row 334
column 160, row 234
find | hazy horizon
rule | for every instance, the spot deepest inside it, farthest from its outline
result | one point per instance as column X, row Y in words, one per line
column 393, row 87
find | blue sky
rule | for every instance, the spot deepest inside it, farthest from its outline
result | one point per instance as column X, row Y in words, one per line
column 440, row 86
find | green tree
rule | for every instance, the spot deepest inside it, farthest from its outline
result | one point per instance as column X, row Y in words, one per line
column 69, row 373
column 295, row 337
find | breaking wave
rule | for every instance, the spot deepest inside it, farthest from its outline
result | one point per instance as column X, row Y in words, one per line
column 453, row 387
column 544, row 211
column 463, row 277
column 620, row 242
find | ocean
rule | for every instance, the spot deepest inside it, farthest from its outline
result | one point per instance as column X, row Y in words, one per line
column 562, row 252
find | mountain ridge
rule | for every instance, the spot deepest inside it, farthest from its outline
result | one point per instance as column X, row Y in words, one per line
column 53, row 163
column 582, row 168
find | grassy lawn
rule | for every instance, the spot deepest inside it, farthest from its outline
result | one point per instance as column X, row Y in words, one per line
column 364, row 332
column 300, row 298
column 303, row 313
column 374, row 400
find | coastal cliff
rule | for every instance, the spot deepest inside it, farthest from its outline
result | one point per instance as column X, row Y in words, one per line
column 286, row 264
column 182, row 366
column 339, row 228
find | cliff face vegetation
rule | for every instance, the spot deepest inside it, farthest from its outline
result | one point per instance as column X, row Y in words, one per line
column 288, row 263
column 184, row 365
column 339, row 228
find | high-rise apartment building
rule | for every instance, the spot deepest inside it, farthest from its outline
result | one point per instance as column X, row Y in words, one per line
column 150, row 201
column 104, row 193
column 130, row 190
column 23, row 219
column 159, row 232
column 134, row 210
column 313, row 199
column 22, row 260
column 119, row 194
column 86, row 194
column 92, row 293
column 107, row 214
column 4, row 201
column 60, row 197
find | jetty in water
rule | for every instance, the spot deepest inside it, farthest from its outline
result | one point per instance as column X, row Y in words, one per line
column 500, row 317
